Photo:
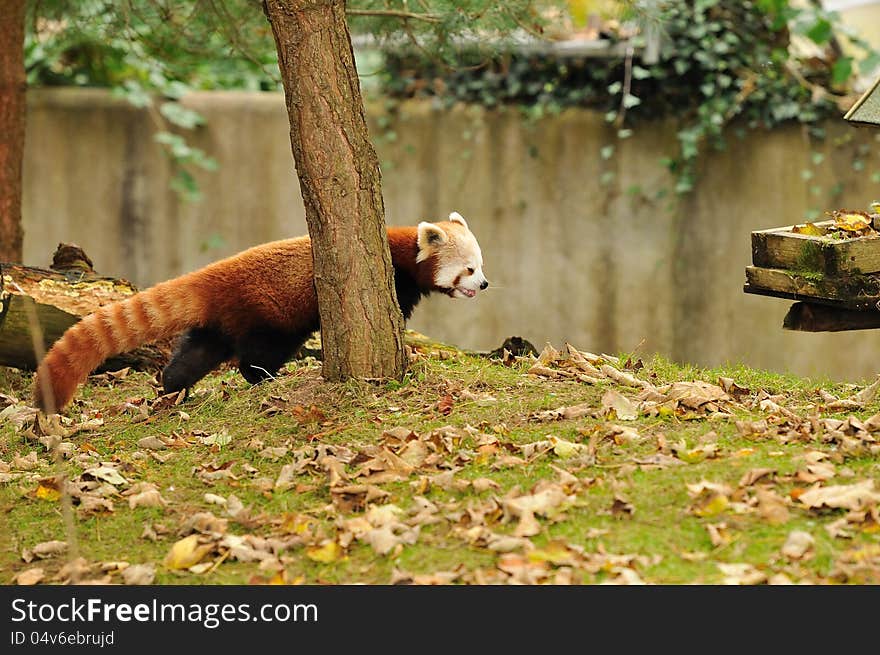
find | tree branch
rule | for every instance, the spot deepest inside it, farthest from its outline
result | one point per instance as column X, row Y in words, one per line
column 391, row 13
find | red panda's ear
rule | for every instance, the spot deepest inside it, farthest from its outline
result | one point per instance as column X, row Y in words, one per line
column 430, row 236
column 455, row 217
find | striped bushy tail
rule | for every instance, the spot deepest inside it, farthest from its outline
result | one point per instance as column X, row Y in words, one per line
column 157, row 313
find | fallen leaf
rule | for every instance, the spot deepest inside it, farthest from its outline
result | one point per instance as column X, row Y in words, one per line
column 148, row 498
column 326, row 553
column 28, row 463
column 809, row 229
column 152, row 443
column 187, row 552
column 48, row 490
column 741, row 574
column 30, row 576
column 868, row 394
column 771, row 506
column 751, row 476
column 710, row 499
column 556, row 552
column 105, row 473
column 797, row 544
column 286, row 476
column 719, row 534
column 621, row 508
column 139, row 574
column 44, row 550
column 565, row 449
column 214, row 499
column 445, row 404
column 850, row 496
column 622, row 408
column 484, row 484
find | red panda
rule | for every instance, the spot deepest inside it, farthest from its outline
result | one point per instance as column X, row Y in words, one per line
column 258, row 307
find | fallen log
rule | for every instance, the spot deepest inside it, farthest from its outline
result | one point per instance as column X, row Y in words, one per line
column 813, row 317
column 57, row 298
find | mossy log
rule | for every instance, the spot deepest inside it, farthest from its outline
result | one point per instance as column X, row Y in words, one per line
column 55, row 300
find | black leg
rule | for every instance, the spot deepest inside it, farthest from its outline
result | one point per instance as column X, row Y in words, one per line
column 198, row 352
column 262, row 353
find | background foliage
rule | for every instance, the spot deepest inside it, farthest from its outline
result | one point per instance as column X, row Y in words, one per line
column 722, row 63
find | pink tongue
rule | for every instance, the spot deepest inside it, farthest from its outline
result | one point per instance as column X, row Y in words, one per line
column 469, row 293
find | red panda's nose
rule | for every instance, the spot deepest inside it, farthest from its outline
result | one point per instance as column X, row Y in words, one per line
column 485, row 284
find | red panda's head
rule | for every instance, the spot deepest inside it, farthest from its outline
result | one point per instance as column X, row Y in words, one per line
column 455, row 255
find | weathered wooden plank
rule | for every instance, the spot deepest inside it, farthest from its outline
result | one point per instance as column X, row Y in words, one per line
column 782, row 248
column 813, row 317
column 859, row 292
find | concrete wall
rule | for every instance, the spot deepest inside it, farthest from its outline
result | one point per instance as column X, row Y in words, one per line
column 605, row 267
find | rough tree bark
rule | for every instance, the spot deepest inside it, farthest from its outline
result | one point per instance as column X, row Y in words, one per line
column 361, row 322
column 12, row 107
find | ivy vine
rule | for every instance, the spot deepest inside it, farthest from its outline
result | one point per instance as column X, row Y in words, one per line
column 753, row 64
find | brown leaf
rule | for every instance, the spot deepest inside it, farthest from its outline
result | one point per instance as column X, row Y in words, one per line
column 719, row 534
column 445, row 404
column 797, row 544
column 621, row 508
column 147, row 498
column 771, row 506
column 751, row 476
column 152, row 443
column 44, row 550
column 621, row 407
column 139, row 574
column 484, row 484
column 30, row 576
column 742, row 574
column 850, row 496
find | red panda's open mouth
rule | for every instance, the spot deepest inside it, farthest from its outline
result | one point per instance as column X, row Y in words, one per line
column 451, row 291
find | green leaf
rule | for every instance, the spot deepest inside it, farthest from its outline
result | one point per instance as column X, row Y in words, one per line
column 869, row 63
column 820, row 32
column 179, row 115
column 631, row 101
column 640, row 73
column 841, row 70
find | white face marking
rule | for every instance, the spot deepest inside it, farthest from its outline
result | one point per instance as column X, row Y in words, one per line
column 460, row 265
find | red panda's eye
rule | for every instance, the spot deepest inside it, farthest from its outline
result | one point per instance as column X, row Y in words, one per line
column 470, row 271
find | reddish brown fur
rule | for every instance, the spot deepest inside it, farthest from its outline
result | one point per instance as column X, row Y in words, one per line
column 266, row 287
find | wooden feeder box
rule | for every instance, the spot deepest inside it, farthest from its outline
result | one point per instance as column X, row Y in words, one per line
column 836, row 280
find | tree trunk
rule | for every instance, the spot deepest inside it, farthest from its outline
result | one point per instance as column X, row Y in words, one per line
column 12, row 107
column 361, row 322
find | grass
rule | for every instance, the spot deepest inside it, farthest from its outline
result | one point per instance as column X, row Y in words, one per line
column 490, row 406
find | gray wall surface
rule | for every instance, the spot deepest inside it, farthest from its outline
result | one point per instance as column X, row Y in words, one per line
column 605, row 267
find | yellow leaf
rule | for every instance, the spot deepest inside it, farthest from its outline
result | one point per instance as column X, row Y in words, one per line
column 186, row 553
column 851, row 221
column 48, row 493
column 692, row 456
column 297, row 524
column 555, row 552
column 713, row 506
column 328, row 552
column 809, row 229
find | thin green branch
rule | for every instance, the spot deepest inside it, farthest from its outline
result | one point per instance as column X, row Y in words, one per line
column 392, row 13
